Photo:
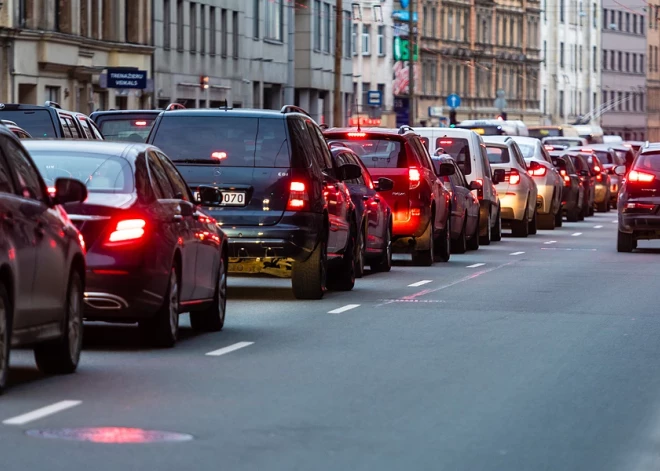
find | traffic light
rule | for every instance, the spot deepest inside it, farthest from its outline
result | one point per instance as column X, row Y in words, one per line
column 204, row 82
column 452, row 118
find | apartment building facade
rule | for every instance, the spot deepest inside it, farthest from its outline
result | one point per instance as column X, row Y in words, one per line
column 653, row 71
column 571, row 69
column 58, row 50
column 624, row 68
column 481, row 50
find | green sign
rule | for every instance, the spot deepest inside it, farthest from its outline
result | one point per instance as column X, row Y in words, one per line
column 402, row 50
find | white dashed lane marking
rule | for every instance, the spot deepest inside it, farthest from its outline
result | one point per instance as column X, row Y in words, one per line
column 41, row 413
column 516, row 253
column 476, row 265
column 550, row 242
column 420, row 283
column 231, row 348
column 339, row 310
column 597, row 227
column 575, row 234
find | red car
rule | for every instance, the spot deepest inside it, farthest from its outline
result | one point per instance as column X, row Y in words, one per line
column 419, row 201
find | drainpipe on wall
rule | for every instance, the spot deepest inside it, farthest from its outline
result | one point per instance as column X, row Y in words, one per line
column 289, row 90
column 154, row 91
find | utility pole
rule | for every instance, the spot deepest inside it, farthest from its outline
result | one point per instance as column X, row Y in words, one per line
column 337, row 114
column 411, row 64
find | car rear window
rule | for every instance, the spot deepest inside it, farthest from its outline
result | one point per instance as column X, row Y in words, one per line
column 38, row 123
column 459, row 149
column 126, row 129
column 379, row 153
column 648, row 161
column 605, row 157
column 527, row 150
column 231, row 141
column 544, row 132
column 99, row 172
column 568, row 142
column 498, row 155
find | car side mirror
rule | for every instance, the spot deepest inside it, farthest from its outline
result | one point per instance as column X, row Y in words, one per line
column 445, row 169
column 384, row 184
column 349, row 172
column 186, row 209
column 209, row 195
column 620, row 170
column 498, row 176
column 475, row 185
column 69, row 190
column 584, row 173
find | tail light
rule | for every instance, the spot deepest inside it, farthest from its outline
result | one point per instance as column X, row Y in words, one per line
column 356, row 135
column 414, row 177
column 599, row 177
column 513, row 177
column 537, row 170
column 644, row 206
column 596, row 168
column 298, row 197
column 128, row 230
column 635, row 176
column 480, row 192
column 567, row 179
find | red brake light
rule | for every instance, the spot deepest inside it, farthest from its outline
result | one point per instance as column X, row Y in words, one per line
column 446, row 142
column 140, row 123
column 587, row 150
column 597, row 168
column 219, row 155
column 514, row 177
column 480, row 193
column 414, row 177
column 641, row 177
column 549, row 147
column 298, row 197
column 599, row 177
column 128, row 229
column 357, row 134
column 51, row 190
column 537, row 170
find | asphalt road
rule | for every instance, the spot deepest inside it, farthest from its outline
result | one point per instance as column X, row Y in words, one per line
column 530, row 354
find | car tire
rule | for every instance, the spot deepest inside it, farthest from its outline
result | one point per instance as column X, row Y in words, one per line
column 212, row 319
column 342, row 276
column 460, row 245
column 625, row 242
column 163, row 329
column 559, row 218
column 308, row 278
column 546, row 222
column 573, row 215
column 592, row 210
column 496, row 233
column 360, row 254
column 443, row 246
column 520, row 228
column 61, row 356
column 604, row 207
column 424, row 258
column 487, row 238
column 5, row 337
column 533, row 225
column 473, row 242
column 384, row 262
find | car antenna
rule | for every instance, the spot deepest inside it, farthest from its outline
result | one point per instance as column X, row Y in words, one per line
column 226, row 105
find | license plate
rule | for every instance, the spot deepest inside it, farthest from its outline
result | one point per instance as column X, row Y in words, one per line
column 233, row 198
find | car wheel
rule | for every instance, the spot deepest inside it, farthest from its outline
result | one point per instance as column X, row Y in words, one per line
column 342, row 276
column 532, row 224
column 163, row 329
column 424, row 258
column 496, row 234
column 5, row 337
column 559, row 218
column 625, row 242
column 520, row 228
column 61, row 356
column 604, row 207
column 308, row 278
column 212, row 319
column 443, row 246
column 360, row 254
column 473, row 242
column 546, row 222
column 486, row 238
column 384, row 263
column 460, row 245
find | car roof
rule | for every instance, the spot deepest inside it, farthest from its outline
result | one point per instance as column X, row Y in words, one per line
column 497, row 139
column 388, row 131
column 119, row 149
column 110, row 112
column 236, row 113
column 458, row 132
column 526, row 140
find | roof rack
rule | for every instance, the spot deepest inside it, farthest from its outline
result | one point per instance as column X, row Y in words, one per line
column 404, row 128
column 294, row 109
column 175, row 106
column 53, row 104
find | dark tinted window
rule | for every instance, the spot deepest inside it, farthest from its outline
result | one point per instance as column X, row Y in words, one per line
column 126, row 129
column 648, row 161
column 101, row 173
column 66, row 129
column 6, row 185
column 498, row 155
column 485, row 130
column 566, row 141
column 301, row 144
column 425, row 141
column 26, row 174
column 379, row 153
column 227, row 140
column 606, row 157
column 321, row 147
column 544, row 132
column 459, row 149
column 159, row 178
column 38, row 123
column 176, row 180
column 72, row 125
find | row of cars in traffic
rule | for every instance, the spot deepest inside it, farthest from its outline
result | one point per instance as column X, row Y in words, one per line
column 137, row 216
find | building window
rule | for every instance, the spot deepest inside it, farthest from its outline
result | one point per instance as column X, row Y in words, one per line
column 641, row 62
column 167, row 20
column 274, row 19
column 595, row 13
column 634, row 24
column 179, row 25
column 193, row 27
column 425, row 21
column 561, row 103
column 366, row 40
column 366, row 86
column 545, row 53
column 595, row 59
column 604, row 60
column 604, row 98
column 224, row 33
column 620, row 22
column 627, row 22
column 328, row 27
column 433, row 21
column 349, row 38
column 212, row 29
column 354, row 40
column 53, row 94
column 317, row 25
column 545, row 101
column 255, row 19
column 561, row 55
column 580, row 59
column 202, row 28
column 562, row 14
column 641, row 25
column 634, row 63
column 620, row 60
column 234, row 34
column 381, row 40
column 612, row 60
column 604, row 18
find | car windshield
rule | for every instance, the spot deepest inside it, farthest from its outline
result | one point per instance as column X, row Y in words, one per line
column 38, row 123
column 229, row 141
column 498, row 155
column 101, row 173
column 379, row 153
column 126, row 129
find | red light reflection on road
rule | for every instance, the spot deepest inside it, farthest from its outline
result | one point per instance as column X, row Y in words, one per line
column 112, row 435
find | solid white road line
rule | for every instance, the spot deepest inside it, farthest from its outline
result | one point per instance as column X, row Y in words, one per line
column 550, row 242
column 339, row 310
column 420, row 283
column 575, row 234
column 231, row 348
column 615, row 221
column 597, row 227
column 41, row 413
column 476, row 265
column 516, row 253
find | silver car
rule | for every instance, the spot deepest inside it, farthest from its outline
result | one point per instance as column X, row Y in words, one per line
column 517, row 190
column 548, row 181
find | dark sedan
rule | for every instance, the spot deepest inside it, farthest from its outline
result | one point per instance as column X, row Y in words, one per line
column 587, row 176
column 572, row 196
column 151, row 251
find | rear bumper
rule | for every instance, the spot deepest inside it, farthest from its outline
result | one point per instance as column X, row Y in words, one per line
column 600, row 193
column 640, row 224
column 513, row 205
column 544, row 199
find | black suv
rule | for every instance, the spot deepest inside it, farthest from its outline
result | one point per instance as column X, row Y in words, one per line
column 50, row 121
column 283, row 203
